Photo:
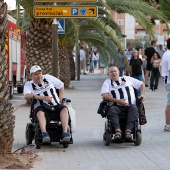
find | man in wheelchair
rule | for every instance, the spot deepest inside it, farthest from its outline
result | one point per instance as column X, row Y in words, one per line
column 119, row 91
column 43, row 89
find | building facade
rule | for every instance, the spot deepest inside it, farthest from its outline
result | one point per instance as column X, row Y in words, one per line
column 131, row 28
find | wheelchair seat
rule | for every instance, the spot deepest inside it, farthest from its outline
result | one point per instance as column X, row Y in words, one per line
column 53, row 127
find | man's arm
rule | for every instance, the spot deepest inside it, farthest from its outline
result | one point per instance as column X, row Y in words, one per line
column 142, row 88
column 119, row 101
column 29, row 96
column 61, row 93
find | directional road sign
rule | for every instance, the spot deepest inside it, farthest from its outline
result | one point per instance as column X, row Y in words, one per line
column 65, row 11
column 65, row 0
column 61, row 26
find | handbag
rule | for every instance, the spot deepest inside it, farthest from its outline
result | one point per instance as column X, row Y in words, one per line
column 142, row 116
column 103, row 107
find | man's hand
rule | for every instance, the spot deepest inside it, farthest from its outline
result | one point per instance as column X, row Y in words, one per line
column 123, row 103
column 142, row 96
column 48, row 99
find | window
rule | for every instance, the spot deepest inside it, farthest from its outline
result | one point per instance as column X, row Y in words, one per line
column 140, row 32
column 165, row 32
column 136, row 22
column 120, row 22
column 157, row 22
column 156, row 32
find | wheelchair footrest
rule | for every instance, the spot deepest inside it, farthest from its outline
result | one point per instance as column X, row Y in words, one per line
column 70, row 142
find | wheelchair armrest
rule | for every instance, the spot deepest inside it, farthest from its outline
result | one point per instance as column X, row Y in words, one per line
column 65, row 100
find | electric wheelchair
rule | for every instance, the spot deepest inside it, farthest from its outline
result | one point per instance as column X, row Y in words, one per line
column 53, row 127
column 109, row 131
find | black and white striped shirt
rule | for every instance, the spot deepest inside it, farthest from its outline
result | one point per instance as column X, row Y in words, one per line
column 47, row 87
column 122, row 89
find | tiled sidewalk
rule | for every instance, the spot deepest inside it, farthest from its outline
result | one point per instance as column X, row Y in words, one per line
column 88, row 150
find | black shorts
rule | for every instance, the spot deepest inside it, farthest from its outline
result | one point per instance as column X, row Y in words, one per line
column 149, row 66
column 52, row 115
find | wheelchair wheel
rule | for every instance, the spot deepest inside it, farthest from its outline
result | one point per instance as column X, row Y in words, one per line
column 29, row 133
column 138, row 138
column 107, row 138
column 65, row 145
column 37, row 144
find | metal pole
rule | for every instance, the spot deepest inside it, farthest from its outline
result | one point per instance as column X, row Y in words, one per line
column 55, row 65
column 77, row 60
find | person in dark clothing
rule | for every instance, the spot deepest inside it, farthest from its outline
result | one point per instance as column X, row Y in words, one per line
column 149, row 53
column 136, row 67
column 121, row 64
column 155, row 73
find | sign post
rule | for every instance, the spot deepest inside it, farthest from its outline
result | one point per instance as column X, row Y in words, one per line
column 42, row 11
column 55, row 64
column 65, row 11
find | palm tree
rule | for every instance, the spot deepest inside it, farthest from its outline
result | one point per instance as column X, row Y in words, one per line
column 164, row 7
column 6, row 109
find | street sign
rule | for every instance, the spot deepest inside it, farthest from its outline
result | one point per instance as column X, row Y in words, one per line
column 65, row 0
column 65, row 11
column 61, row 26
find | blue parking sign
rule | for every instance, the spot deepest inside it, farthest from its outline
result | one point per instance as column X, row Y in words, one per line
column 74, row 11
column 61, row 26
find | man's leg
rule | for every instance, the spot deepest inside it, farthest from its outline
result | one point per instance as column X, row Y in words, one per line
column 152, row 80
column 146, row 77
column 84, row 66
column 157, row 78
column 132, row 115
column 42, row 120
column 167, row 114
column 42, row 123
column 113, row 116
column 64, row 119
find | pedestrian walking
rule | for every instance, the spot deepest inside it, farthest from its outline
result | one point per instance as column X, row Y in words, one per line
column 155, row 73
column 82, row 60
column 128, row 54
column 136, row 67
column 120, row 64
column 165, row 71
column 149, row 53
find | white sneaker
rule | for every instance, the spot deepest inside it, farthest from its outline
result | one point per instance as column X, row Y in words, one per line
column 150, row 89
column 156, row 89
column 166, row 129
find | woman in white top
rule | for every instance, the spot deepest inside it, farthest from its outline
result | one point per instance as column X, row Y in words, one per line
column 155, row 73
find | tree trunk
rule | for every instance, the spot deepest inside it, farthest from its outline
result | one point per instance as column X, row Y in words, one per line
column 39, row 52
column 7, row 120
column 39, row 47
column 64, row 65
column 72, row 65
